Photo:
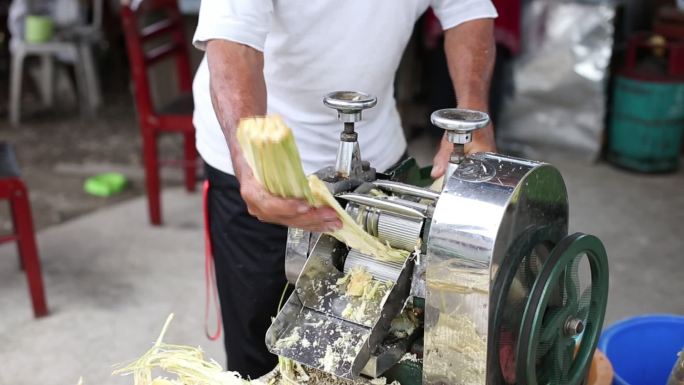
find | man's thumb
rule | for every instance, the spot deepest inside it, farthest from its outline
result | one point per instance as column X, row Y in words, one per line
column 437, row 170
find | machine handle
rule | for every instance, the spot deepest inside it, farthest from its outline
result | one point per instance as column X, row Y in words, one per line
column 349, row 104
column 459, row 123
column 382, row 204
column 402, row 188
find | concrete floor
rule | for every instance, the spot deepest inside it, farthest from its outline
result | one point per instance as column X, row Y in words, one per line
column 111, row 282
column 111, row 279
column 57, row 150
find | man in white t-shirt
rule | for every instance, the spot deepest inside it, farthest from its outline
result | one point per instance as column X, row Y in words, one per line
column 281, row 57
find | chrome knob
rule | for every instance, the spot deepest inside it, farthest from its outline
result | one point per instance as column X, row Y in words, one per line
column 459, row 125
column 349, row 104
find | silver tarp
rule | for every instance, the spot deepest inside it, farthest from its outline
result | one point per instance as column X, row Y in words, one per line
column 560, row 79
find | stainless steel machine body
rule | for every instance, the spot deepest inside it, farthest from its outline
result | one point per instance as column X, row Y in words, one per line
column 467, row 242
column 475, row 227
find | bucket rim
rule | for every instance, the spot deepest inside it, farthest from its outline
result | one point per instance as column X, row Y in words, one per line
column 629, row 322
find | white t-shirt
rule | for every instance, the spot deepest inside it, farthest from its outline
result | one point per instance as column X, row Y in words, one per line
column 315, row 47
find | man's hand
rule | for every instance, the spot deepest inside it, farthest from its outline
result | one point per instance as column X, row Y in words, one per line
column 470, row 53
column 238, row 90
column 483, row 141
column 287, row 212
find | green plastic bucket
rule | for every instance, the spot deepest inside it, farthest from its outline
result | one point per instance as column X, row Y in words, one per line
column 647, row 125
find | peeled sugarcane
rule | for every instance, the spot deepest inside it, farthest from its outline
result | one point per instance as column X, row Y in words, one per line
column 270, row 150
column 438, row 184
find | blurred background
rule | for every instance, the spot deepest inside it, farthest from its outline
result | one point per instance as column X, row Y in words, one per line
column 594, row 87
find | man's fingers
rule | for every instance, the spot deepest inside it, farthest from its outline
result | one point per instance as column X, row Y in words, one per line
column 326, row 227
column 283, row 208
column 288, row 212
column 439, row 164
column 441, row 159
column 263, row 204
column 437, row 169
column 319, row 228
column 327, row 214
column 323, row 219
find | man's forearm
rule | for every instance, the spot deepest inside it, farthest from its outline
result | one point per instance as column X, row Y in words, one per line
column 471, row 52
column 238, row 89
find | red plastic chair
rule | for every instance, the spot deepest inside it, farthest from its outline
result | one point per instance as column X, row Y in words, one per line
column 13, row 190
column 145, row 23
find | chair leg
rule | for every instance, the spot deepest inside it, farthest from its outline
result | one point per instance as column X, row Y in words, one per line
column 21, row 260
column 90, row 73
column 17, row 72
column 190, row 161
column 47, row 79
column 152, row 179
column 23, row 225
column 82, row 84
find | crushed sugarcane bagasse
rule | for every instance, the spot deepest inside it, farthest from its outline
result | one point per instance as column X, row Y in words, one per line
column 290, row 340
column 186, row 365
column 365, row 292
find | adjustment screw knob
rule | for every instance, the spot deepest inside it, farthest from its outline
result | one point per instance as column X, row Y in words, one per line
column 349, row 104
column 459, row 124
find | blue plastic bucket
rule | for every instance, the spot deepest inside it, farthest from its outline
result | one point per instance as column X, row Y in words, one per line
column 643, row 349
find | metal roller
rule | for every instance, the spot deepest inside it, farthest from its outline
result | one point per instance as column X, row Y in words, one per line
column 402, row 188
column 399, row 231
column 384, row 271
column 402, row 233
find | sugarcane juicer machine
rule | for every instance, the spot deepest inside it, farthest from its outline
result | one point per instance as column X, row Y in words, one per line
column 494, row 290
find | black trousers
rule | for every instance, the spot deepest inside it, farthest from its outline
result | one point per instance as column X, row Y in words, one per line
column 249, row 257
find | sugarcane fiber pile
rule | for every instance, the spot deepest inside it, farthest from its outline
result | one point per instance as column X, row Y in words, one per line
column 269, row 147
column 364, row 293
column 169, row 364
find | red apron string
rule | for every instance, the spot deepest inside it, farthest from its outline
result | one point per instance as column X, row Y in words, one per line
column 211, row 292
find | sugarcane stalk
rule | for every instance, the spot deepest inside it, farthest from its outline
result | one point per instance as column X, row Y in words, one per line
column 269, row 147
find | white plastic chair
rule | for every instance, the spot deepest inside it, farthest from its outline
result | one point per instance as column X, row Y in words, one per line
column 73, row 43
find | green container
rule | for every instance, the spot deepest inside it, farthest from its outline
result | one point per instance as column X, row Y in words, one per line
column 105, row 185
column 647, row 125
column 38, row 29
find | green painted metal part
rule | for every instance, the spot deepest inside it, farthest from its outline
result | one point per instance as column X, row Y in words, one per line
column 647, row 125
column 518, row 269
column 550, row 351
column 411, row 173
column 406, row 373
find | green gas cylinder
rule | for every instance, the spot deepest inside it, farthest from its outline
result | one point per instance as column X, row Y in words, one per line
column 647, row 122
column 647, row 125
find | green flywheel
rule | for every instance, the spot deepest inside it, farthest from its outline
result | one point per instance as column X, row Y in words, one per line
column 510, row 291
column 563, row 316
